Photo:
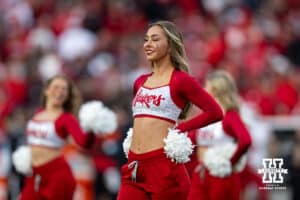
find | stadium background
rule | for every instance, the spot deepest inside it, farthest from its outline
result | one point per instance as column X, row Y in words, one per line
column 98, row 43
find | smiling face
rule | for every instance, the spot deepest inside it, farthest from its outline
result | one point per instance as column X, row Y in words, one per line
column 156, row 44
column 57, row 92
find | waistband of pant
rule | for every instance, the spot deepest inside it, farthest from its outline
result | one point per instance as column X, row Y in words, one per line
column 50, row 166
column 158, row 153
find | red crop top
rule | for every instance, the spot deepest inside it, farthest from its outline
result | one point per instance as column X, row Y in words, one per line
column 181, row 89
column 231, row 129
column 53, row 133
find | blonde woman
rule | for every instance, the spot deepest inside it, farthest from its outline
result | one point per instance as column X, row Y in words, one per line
column 48, row 174
column 161, row 98
column 221, row 146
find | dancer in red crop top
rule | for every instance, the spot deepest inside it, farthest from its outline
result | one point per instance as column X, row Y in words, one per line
column 46, row 132
column 161, row 98
column 221, row 146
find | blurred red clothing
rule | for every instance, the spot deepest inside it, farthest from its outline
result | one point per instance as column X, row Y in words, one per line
column 287, row 95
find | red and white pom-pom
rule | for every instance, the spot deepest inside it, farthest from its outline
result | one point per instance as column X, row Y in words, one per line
column 217, row 160
column 21, row 159
column 127, row 142
column 95, row 117
column 178, row 146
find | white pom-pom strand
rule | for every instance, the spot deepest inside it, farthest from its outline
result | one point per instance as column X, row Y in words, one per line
column 217, row 160
column 95, row 117
column 21, row 159
column 127, row 142
column 217, row 164
column 178, row 147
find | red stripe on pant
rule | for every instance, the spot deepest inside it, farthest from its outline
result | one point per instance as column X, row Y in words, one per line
column 51, row 181
column 207, row 187
column 157, row 178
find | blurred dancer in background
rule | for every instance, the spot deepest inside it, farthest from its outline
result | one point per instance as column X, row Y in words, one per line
column 221, row 146
column 162, row 97
column 47, row 131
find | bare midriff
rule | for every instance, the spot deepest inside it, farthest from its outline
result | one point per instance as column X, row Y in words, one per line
column 42, row 155
column 148, row 134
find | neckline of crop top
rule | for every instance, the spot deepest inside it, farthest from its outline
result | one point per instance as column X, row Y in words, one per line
column 46, row 120
column 160, row 86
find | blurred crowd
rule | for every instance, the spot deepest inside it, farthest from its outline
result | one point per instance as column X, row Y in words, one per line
column 98, row 43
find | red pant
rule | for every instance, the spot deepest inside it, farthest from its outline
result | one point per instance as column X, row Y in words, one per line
column 157, row 178
column 249, row 176
column 207, row 187
column 51, row 181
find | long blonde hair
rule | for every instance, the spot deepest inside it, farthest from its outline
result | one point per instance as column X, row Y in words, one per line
column 177, row 52
column 224, row 89
column 73, row 100
column 175, row 40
